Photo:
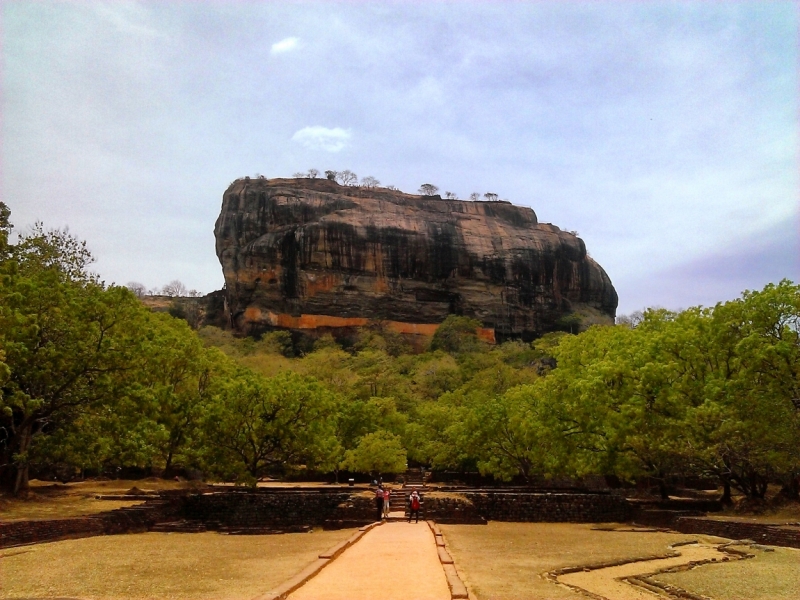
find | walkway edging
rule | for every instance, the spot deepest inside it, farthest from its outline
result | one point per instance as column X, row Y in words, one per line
column 457, row 588
column 323, row 560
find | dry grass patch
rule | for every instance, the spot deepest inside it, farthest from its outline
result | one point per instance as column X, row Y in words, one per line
column 504, row 561
column 768, row 576
column 38, row 509
column 789, row 513
column 201, row 566
column 47, row 500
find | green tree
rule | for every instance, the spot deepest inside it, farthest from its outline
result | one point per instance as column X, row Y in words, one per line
column 615, row 408
column 178, row 379
column 5, row 229
column 511, row 435
column 744, row 429
column 380, row 451
column 457, row 334
column 65, row 338
column 256, row 426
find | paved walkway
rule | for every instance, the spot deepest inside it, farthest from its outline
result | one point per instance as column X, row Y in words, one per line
column 396, row 561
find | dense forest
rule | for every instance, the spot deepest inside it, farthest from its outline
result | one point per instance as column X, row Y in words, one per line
column 92, row 380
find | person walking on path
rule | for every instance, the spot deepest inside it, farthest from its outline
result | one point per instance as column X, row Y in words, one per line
column 379, row 501
column 387, row 494
column 414, row 500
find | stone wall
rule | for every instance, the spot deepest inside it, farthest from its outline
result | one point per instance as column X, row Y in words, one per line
column 30, row 532
column 133, row 519
column 526, row 507
column 275, row 509
column 456, row 511
column 285, row 510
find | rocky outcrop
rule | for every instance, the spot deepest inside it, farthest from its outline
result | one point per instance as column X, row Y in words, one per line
column 311, row 254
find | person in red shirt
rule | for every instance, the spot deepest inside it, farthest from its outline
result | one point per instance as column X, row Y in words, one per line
column 415, row 502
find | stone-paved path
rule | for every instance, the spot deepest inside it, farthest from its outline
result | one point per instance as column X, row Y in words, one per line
column 396, row 561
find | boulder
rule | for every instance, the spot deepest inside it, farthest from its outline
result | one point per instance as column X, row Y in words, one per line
column 310, row 254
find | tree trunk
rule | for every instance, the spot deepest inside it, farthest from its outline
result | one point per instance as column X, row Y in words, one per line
column 21, row 480
column 662, row 488
column 756, row 487
column 791, row 489
column 762, row 486
column 726, row 499
column 168, row 466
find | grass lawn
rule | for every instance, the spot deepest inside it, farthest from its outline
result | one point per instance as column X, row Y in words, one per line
column 768, row 576
column 504, row 561
column 198, row 566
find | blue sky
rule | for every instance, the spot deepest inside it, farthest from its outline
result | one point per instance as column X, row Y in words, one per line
column 666, row 133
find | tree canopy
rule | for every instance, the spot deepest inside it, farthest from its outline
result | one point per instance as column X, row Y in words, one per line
column 91, row 379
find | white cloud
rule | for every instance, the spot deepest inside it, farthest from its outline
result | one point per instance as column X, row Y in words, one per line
column 323, row 138
column 285, row 45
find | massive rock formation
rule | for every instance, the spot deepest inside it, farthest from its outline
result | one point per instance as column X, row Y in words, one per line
column 311, row 254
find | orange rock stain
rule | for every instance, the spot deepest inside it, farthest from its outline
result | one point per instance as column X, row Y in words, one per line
column 253, row 314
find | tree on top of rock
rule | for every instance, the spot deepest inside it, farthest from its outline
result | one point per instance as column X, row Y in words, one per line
column 370, row 182
column 347, row 177
column 428, row 189
column 174, row 289
column 139, row 289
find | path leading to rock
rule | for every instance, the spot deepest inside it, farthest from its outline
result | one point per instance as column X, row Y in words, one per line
column 396, row 561
column 605, row 582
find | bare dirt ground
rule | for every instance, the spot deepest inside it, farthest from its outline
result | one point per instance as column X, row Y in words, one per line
column 397, row 561
column 769, row 576
column 505, row 561
column 200, row 566
column 606, row 582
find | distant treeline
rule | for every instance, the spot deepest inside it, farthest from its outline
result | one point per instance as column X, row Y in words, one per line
column 92, row 380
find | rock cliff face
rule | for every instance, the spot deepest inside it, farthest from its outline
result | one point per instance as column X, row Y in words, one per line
column 311, row 254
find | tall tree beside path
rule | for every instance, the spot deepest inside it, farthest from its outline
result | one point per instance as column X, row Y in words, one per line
column 380, row 451
column 745, row 423
column 173, row 385
column 64, row 338
column 257, row 426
